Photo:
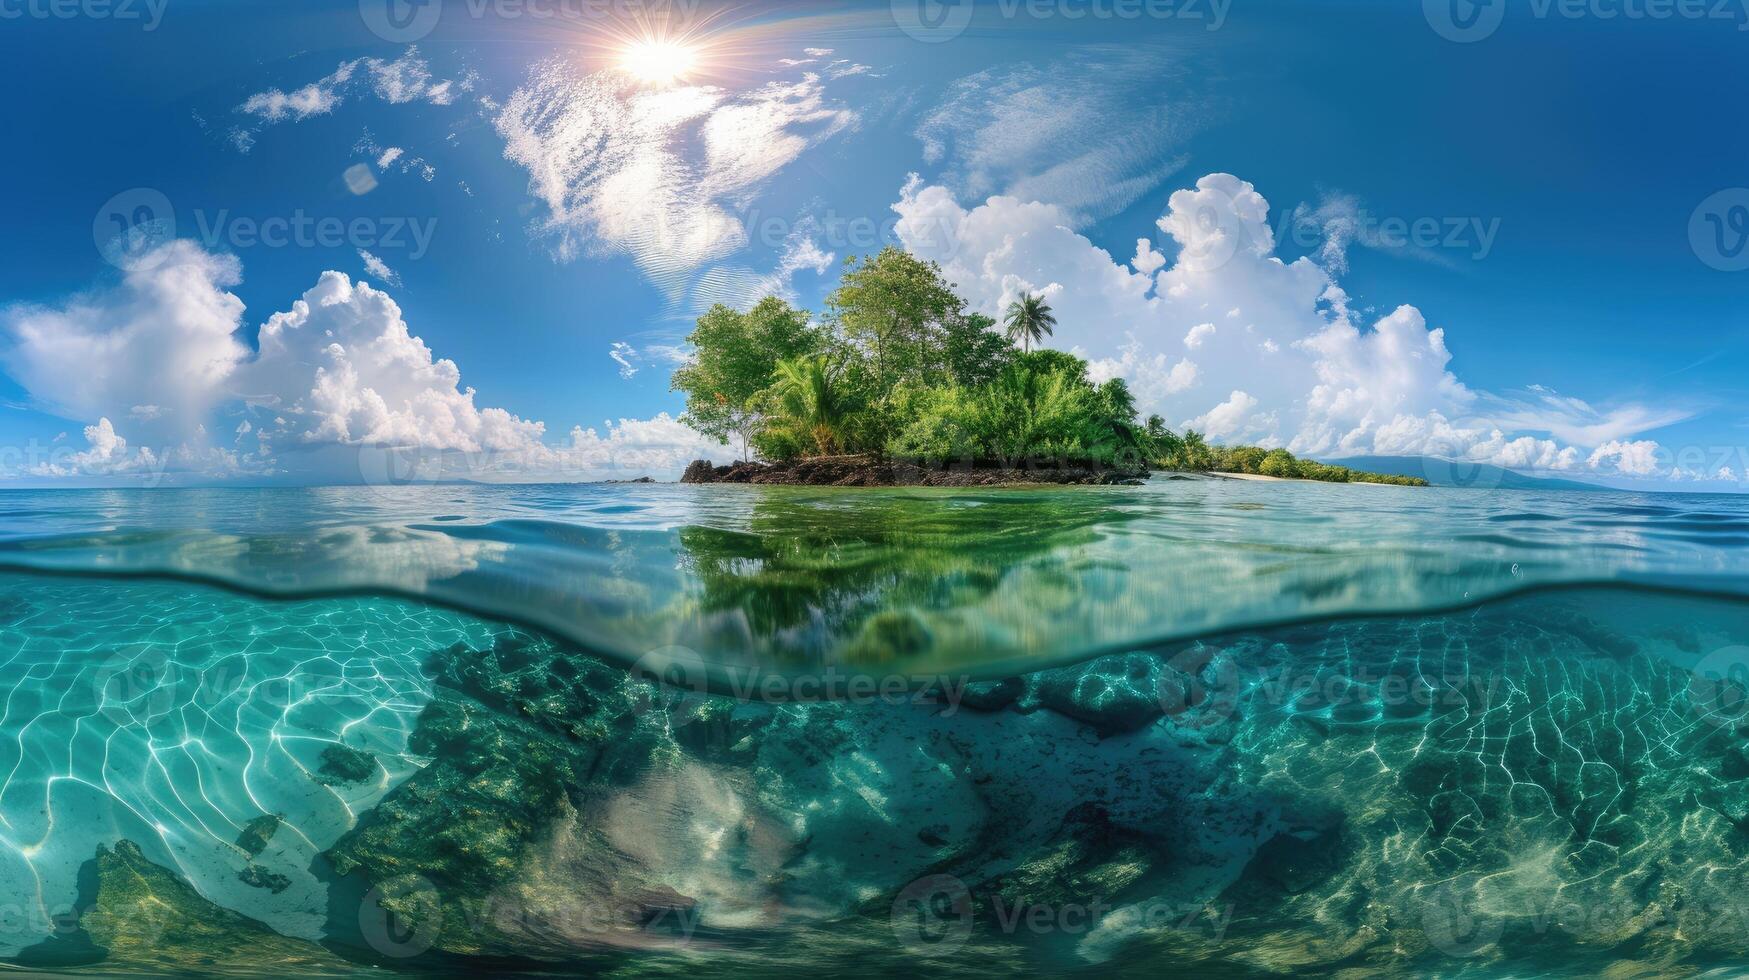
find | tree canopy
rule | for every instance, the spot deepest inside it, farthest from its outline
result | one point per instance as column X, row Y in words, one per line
column 899, row 368
column 735, row 359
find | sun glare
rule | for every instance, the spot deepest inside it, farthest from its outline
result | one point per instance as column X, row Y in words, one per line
column 658, row 62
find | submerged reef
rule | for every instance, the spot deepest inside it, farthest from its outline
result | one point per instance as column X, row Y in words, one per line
column 1385, row 795
column 1558, row 784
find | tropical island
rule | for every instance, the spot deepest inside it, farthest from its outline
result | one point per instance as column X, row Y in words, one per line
column 898, row 383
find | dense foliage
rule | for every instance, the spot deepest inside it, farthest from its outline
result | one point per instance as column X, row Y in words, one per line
column 898, row 368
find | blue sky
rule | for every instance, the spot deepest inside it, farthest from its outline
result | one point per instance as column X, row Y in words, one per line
column 549, row 221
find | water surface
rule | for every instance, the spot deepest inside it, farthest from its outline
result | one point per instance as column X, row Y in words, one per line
column 1239, row 728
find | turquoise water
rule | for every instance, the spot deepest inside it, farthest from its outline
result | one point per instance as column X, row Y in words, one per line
column 1239, row 728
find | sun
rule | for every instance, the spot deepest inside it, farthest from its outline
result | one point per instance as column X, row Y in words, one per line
column 659, row 62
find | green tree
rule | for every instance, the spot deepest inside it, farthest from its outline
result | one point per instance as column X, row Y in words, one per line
column 808, row 408
column 1277, row 462
column 973, row 353
column 893, row 307
column 1029, row 320
column 735, row 358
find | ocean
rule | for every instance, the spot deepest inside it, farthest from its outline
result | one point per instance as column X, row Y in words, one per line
column 1236, row 728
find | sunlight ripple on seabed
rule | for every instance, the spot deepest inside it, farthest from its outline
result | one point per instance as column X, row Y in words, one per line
column 175, row 717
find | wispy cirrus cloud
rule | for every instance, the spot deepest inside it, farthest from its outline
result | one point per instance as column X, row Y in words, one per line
column 660, row 174
column 1090, row 133
column 406, row 79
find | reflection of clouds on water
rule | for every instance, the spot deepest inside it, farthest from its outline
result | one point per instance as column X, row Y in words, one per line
column 174, row 717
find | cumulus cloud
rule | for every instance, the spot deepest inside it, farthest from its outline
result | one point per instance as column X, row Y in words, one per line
column 162, row 341
column 1289, row 364
column 1636, row 458
column 659, row 174
column 106, row 454
column 341, row 367
column 338, row 374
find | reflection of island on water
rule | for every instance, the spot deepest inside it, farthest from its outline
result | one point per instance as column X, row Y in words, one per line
column 884, row 576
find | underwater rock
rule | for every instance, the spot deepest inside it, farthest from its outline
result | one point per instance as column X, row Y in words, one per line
column 463, row 821
column 527, row 729
column 343, row 765
column 1114, row 694
column 992, row 695
column 1088, row 861
column 257, row 833
column 146, row 916
column 1290, row 863
column 257, row 876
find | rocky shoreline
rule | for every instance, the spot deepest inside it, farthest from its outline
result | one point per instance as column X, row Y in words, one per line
column 869, row 471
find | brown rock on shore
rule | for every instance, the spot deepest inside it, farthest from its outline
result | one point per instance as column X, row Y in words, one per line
column 868, row 471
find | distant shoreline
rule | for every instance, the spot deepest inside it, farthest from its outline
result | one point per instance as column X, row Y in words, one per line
column 1260, row 478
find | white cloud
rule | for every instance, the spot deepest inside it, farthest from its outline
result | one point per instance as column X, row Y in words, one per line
column 1638, row 458
column 1232, row 418
column 1090, row 134
column 162, row 338
column 339, row 373
column 659, row 174
column 107, row 453
column 377, row 267
column 740, row 287
column 403, row 80
column 1147, row 260
column 622, row 354
column 341, row 367
column 1298, row 369
column 315, row 99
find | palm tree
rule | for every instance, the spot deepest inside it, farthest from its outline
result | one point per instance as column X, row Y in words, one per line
column 807, row 400
column 1029, row 320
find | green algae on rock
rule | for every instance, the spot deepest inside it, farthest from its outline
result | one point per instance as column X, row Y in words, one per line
column 343, row 765
column 257, row 833
column 146, row 917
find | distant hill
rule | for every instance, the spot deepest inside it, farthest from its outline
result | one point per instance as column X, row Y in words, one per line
column 1445, row 473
